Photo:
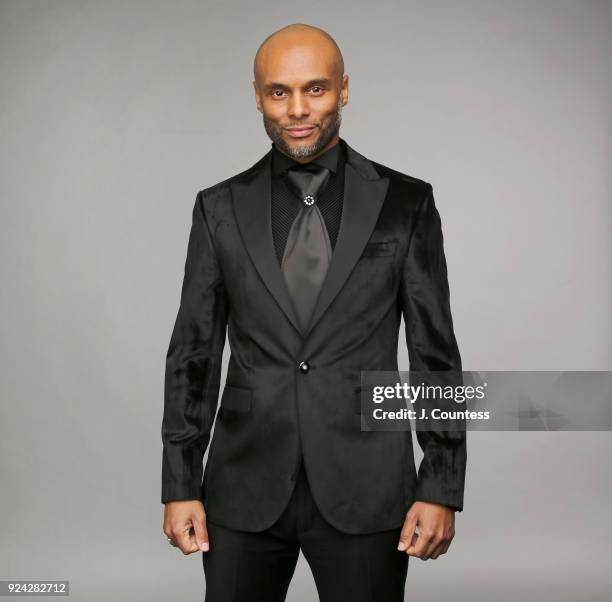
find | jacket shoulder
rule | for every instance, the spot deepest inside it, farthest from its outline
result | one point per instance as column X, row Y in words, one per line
column 406, row 191
column 398, row 177
column 223, row 186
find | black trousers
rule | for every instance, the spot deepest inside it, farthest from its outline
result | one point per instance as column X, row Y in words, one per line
column 257, row 567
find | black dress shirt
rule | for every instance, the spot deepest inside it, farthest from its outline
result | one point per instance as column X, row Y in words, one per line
column 285, row 204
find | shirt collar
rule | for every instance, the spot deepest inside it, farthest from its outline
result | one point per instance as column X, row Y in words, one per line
column 330, row 159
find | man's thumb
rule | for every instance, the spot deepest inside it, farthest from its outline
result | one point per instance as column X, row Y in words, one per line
column 201, row 534
column 407, row 532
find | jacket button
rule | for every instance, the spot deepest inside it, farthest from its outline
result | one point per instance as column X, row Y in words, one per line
column 304, row 367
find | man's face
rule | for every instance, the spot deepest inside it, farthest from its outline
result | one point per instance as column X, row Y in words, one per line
column 301, row 97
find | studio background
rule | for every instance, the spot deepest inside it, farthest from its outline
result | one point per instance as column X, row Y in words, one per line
column 113, row 115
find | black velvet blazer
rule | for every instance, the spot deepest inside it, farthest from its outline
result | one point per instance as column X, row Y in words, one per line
column 289, row 393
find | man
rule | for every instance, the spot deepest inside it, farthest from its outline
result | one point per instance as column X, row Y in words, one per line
column 310, row 257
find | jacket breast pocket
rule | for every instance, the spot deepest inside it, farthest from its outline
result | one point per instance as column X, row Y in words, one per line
column 236, row 399
column 380, row 249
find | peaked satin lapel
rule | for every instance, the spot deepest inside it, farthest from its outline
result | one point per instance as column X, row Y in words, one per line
column 252, row 197
column 364, row 193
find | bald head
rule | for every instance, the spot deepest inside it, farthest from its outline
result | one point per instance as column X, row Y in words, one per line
column 293, row 43
column 300, row 88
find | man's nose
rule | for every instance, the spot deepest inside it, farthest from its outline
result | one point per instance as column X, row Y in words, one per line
column 298, row 107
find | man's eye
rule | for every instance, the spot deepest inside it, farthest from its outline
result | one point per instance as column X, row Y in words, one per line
column 275, row 91
column 315, row 88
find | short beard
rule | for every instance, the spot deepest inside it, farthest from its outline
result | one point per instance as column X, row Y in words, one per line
column 329, row 128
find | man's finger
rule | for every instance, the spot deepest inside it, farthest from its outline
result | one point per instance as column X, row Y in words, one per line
column 184, row 541
column 442, row 542
column 433, row 545
column 446, row 545
column 422, row 544
column 436, row 551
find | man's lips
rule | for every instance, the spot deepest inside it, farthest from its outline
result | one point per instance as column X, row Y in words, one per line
column 300, row 132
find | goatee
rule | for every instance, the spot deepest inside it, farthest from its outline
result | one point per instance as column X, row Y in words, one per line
column 329, row 129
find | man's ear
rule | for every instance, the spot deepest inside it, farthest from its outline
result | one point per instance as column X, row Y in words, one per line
column 345, row 83
column 257, row 99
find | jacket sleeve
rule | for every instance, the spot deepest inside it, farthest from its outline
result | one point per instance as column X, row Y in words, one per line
column 432, row 346
column 193, row 365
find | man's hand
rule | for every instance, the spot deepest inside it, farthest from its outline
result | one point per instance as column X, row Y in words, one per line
column 436, row 529
column 185, row 524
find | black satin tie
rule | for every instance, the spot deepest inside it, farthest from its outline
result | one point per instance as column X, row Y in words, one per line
column 308, row 251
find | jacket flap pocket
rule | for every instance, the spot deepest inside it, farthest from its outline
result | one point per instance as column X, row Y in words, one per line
column 237, row 399
column 379, row 249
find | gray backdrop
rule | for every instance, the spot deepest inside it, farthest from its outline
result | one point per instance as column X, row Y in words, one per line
column 114, row 114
